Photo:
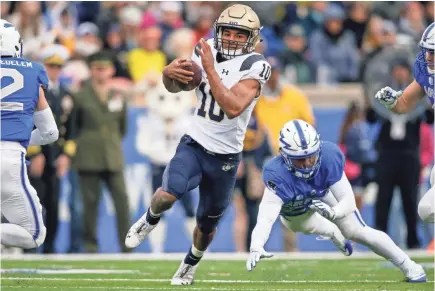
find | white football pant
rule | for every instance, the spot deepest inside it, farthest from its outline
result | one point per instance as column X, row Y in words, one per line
column 354, row 228
column 426, row 206
column 312, row 222
column 19, row 202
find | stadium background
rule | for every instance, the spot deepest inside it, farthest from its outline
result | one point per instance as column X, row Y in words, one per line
column 329, row 94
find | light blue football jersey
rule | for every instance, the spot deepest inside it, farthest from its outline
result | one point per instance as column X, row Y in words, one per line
column 297, row 193
column 425, row 80
column 20, row 83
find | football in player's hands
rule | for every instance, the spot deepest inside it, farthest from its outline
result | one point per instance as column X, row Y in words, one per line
column 196, row 78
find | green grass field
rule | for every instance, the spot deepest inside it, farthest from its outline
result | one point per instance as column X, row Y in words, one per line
column 272, row 275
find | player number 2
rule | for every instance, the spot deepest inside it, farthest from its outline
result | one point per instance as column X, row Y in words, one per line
column 17, row 84
column 201, row 110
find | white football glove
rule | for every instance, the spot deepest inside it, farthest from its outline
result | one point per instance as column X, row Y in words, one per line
column 388, row 97
column 323, row 209
column 255, row 256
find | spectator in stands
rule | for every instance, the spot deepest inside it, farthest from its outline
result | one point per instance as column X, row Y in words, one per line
column 357, row 147
column 333, row 49
column 280, row 103
column 170, row 17
column 315, row 17
column 180, row 43
column 429, row 11
column 357, row 21
column 204, row 23
column 29, row 22
column 88, row 39
column 147, row 58
column 412, row 21
column 298, row 69
column 130, row 19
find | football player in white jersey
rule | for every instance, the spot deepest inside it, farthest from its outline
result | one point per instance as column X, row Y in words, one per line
column 405, row 101
column 209, row 154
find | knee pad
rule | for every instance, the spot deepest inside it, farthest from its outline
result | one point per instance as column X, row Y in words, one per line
column 208, row 222
column 349, row 227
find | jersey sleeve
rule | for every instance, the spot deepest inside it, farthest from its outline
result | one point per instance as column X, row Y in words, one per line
column 335, row 166
column 274, row 183
column 256, row 67
column 417, row 70
column 42, row 77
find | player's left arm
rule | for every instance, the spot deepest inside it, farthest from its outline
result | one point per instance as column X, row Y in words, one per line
column 342, row 191
column 232, row 101
column 46, row 128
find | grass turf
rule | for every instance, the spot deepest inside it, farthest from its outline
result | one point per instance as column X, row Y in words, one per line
column 272, row 275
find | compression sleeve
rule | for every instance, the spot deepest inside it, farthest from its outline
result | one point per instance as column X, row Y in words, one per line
column 342, row 191
column 270, row 208
column 46, row 129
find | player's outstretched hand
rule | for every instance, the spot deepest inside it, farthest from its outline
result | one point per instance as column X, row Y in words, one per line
column 207, row 59
column 323, row 209
column 388, row 97
column 255, row 256
column 176, row 70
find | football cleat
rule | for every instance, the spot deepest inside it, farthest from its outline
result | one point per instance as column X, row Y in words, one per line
column 184, row 274
column 137, row 233
column 415, row 274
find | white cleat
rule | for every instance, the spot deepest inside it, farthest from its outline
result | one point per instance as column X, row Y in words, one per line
column 184, row 274
column 137, row 233
column 415, row 274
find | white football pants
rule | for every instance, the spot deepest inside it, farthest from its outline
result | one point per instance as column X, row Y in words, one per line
column 19, row 202
column 354, row 228
column 426, row 206
column 312, row 222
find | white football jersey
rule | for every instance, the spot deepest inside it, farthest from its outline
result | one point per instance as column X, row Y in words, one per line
column 210, row 127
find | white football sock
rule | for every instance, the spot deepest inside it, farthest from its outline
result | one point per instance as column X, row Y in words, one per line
column 381, row 244
column 13, row 235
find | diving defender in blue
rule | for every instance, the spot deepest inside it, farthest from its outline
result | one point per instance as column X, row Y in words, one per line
column 306, row 186
column 23, row 106
column 404, row 101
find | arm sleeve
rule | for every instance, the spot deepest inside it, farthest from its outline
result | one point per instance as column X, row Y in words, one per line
column 270, row 208
column 46, row 129
column 259, row 70
column 342, row 191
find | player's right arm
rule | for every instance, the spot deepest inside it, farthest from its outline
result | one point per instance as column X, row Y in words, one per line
column 46, row 129
column 268, row 212
column 175, row 71
column 401, row 101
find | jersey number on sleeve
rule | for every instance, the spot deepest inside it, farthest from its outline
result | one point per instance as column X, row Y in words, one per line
column 266, row 72
column 202, row 112
column 17, row 84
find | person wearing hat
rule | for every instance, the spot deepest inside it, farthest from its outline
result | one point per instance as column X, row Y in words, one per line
column 101, row 125
column 51, row 162
column 297, row 67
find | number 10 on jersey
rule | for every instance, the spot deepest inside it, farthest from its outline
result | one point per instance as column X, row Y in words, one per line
column 203, row 111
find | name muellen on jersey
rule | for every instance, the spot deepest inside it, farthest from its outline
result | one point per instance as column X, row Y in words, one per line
column 210, row 126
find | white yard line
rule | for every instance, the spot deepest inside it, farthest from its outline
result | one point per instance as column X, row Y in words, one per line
column 208, row 256
column 188, row 288
column 199, row 281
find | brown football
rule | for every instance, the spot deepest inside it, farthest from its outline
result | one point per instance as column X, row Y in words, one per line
column 197, row 77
